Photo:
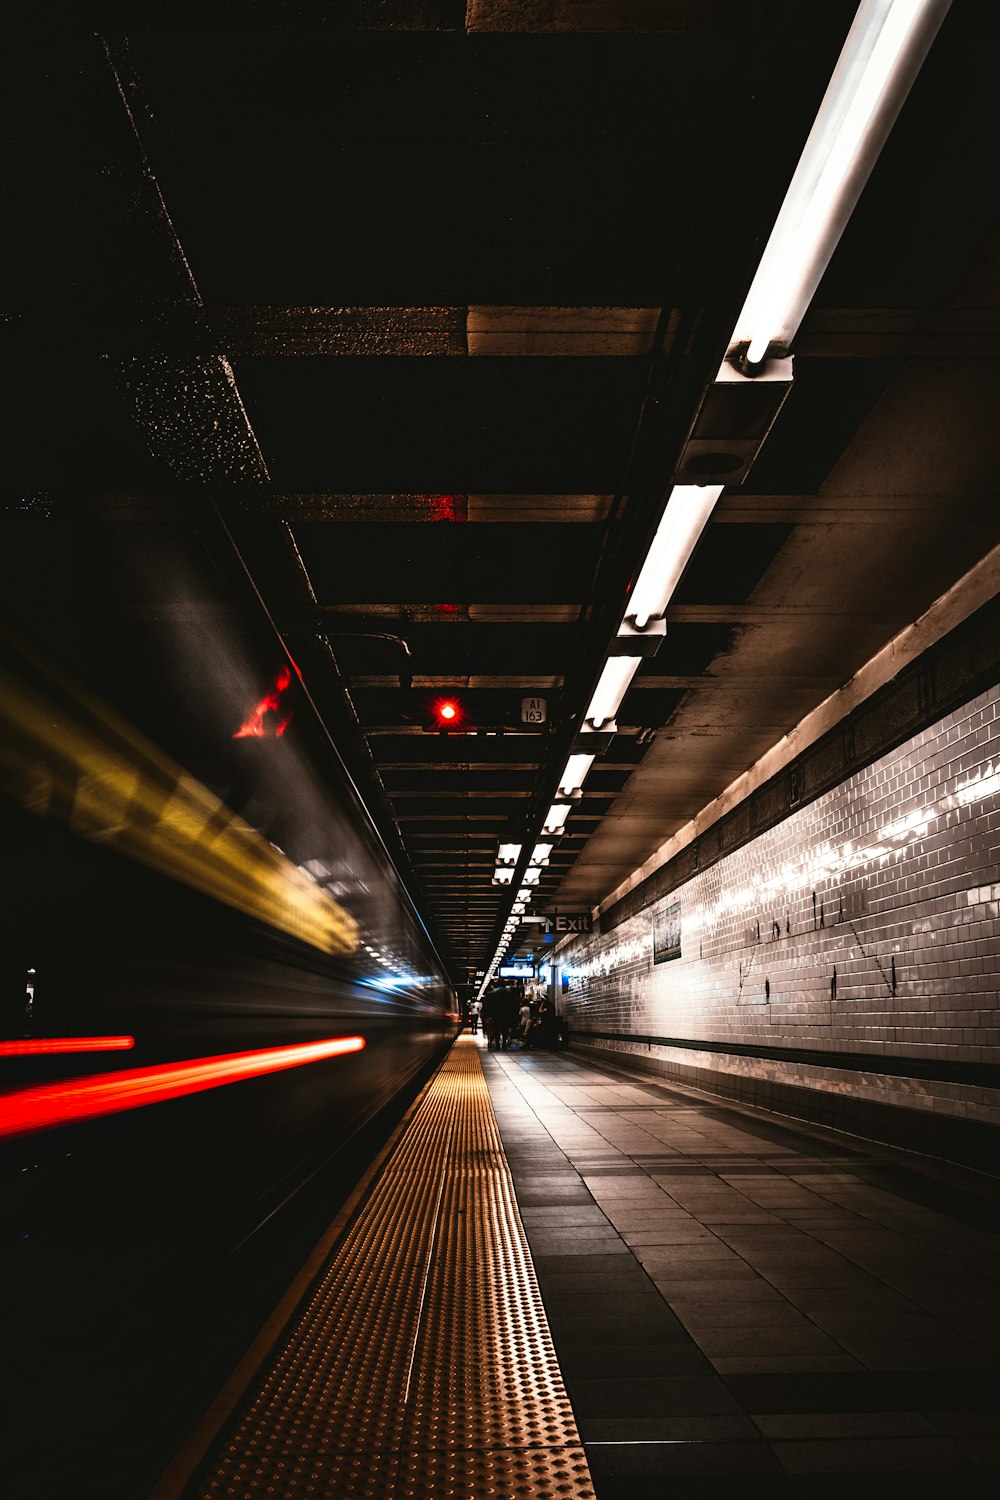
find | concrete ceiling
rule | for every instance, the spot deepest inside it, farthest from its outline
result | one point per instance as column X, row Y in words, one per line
column 406, row 312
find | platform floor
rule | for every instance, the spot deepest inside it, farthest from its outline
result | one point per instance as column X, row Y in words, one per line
column 566, row 1267
column 731, row 1294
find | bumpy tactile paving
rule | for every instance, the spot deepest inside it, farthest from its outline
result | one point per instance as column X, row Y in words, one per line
column 421, row 1363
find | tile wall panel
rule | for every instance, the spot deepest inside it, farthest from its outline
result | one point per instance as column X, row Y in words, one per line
column 863, row 926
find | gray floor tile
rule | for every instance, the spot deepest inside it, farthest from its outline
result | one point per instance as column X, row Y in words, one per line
column 719, row 1428
column 569, row 1215
column 783, row 1364
column 919, row 1354
column 681, row 1357
column 652, row 1396
column 671, row 1459
column 713, row 1271
column 631, row 1281
column 869, row 1455
column 680, row 1234
column 588, row 1261
column 764, row 1341
column 852, row 1424
column 576, row 1242
column 729, row 1312
column 746, row 1286
column 967, row 1423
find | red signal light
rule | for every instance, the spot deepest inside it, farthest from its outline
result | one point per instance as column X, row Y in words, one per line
column 447, row 713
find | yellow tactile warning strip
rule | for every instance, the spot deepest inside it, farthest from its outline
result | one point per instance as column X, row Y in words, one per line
column 421, row 1364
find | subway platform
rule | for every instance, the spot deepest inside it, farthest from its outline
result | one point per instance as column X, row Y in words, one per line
column 565, row 1279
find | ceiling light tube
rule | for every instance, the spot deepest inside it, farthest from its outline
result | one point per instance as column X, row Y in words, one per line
column 525, row 894
column 508, row 854
column 556, row 817
column 518, row 907
column 612, row 685
column 503, row 875
column 882, row 56
column 532, row 875
column 575, row 774
column 541, row 853
column 688, row 509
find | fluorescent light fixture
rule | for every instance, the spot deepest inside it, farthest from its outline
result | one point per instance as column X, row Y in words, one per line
column 612, row 685
column 508, row 854
column 882, row 56
column 575, row 774
column 518, row 907
column 503, row 875
column 524, row 894
column 532, row 875
column 541, row 853
column 556, row 817
column 684, row 519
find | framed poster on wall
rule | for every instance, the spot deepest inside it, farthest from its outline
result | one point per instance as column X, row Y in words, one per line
column 666, row 932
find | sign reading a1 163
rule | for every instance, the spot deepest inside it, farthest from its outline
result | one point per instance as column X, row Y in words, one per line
column 568, row 921
column 534, row 710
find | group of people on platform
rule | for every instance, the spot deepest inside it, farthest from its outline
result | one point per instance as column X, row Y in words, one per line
column 509, row 1018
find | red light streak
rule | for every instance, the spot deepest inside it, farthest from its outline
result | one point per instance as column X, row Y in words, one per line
column 68, row 1103
column 254, row 727
column 67, row 1044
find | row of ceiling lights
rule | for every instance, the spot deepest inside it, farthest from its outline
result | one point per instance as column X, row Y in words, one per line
column 881, row 57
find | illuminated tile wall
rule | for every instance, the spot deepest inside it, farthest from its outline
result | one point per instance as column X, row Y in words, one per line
column 865, row 926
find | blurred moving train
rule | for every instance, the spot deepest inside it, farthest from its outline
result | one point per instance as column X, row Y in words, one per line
column 212, row 982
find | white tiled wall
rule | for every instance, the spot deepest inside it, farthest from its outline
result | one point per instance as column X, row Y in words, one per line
column 878, row 912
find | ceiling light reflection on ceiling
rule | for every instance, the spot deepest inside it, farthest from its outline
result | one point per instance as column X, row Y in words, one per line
column 684, row 519
column 885, row 48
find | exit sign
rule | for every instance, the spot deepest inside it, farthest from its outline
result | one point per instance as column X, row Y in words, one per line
column 569, row 921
